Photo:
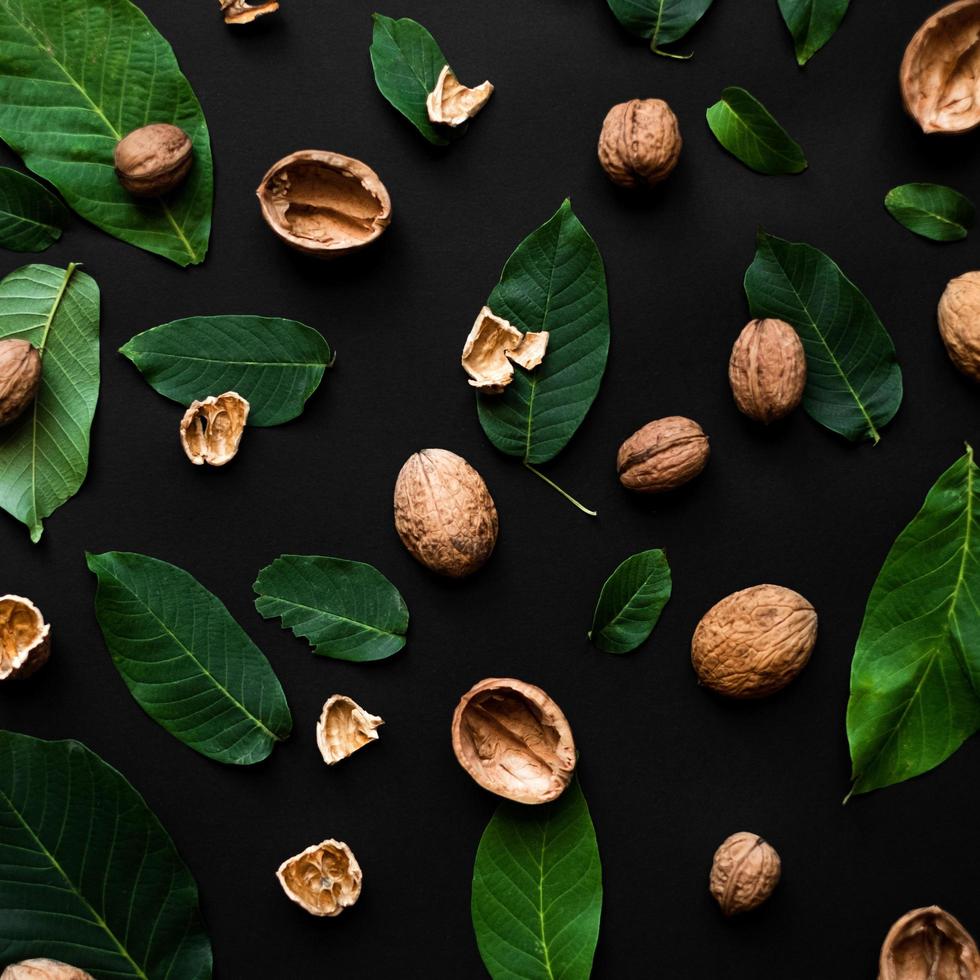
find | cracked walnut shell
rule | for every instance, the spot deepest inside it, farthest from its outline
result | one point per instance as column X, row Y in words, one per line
column 640, row 143
column 767, row 370
column 343, row 728
column 211, row 430
column 451, row 104
column 663, row 455
column 153, row 160
column 25, row 638
column 744, row 873
column 240, row 12
column 20, row 378
column 494, row 346
column 324, row 879
column 959, row 323
column 44, row 969
column 514, row 740
column 928, row 944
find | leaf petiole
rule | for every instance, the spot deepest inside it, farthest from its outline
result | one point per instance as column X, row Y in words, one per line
column 554, row 486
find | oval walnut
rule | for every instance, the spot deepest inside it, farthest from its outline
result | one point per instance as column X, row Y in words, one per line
column 744, row 873
column 44, row 969
column 153, row 160
column 640, row 143
column 959, row 323
column 663, row 455
column 20, row 378
column 928, row 944
column 767, row 370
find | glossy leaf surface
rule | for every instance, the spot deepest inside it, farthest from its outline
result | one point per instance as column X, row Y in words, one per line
column 662, row 22
column 931, row 210
column 631, row 602
column 812, row 23
column 31, row 217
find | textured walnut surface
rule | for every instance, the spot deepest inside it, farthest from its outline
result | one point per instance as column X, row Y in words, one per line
column 240, row 12
column 20, row 378
column 451, row 103
column 929, row 944
column 492, row 348
column 153, row 160
column 324, row 879
column 744, row 873
column 211, row 430
column 959, row 322
column 767, row 370
column 663, row 455
column 343, row 728
column 42, row 969
column 25, row 639
column 640, row 142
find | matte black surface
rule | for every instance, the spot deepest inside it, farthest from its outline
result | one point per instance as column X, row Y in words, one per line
column 668, row 769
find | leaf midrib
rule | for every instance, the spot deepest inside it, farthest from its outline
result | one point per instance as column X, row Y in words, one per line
column 285, row 365
column 332, row 615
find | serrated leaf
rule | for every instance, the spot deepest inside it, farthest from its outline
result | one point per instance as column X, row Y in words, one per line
column 812, row 23
column 187, row 663
column 931, row 210
column 275, row 364
column 744, row 127
column 631, row 602
column 662, row 22
column 31, row 217
column 88, row 875
column 91, row 71
column 346, row 609
column 44, row 453
column 854, row 383
column 915, row 679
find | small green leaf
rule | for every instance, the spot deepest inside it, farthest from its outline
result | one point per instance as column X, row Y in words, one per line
column 745, row 128
column 931, row 210
column 812, row 23
column 662, row 22
column 346, row 609
column 31, row 217
column 631, row 602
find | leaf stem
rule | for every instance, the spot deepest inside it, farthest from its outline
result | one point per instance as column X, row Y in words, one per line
column 554, row 486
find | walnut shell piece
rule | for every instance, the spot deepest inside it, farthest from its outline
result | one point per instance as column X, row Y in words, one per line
column 928, row 944
column 240, row 12
column 43, row 969
column 744, row 873
column 211, row 430
column 767, row 370
column 959, row 323
column 663, row 455
column 444, row 513
column 514, row 740
column 324, row 204
column 754, row 642
column 343, row 728
column 492, row 348
column 324, row 879
column 25, row 638
column 20, row 378
column 640, row 143
column 153, row 160
column 451, row 103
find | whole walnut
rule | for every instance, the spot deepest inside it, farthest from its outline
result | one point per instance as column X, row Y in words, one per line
column 153, row 160
column 744, row 873
column 767, row 370
column 43, row 969
column 959, row 323
column 20, row 378
column 663, row 455
column 928, row 944
column 754, row 642
column 640, row 142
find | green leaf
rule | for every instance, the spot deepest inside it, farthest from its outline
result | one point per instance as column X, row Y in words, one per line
column 88, row 875
column 631, row 602
column 537, row 890
column 346, row 609
column 275, row 364
column 189, row 665
column 745, row 128
column 931, row 210
column 31, row 217
column 75, row 77
column 915, row 679
column 661, row 21
column 44, row 453
column 854, row 383
column 812, row 23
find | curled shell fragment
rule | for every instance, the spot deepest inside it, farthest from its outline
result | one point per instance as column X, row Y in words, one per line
column 494, row 346
column 211, row 430
column 343, row 728
column 240, row 12
column 451, row 103
column 25, row 638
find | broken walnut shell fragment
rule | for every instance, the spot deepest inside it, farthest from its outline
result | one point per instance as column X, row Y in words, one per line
column 744, row 873
column 44, row 969
column 959, row 323
column 324, row 879
column 20, row 378
column 324, row 204
column 928, row 944
column 153, row 160
column 451, row 103
column 494, row 346
column 514, row 740
column 211, row 430
column 767, row 370
column 25, row 638
column 640, row 143
column 663, row 455
column 240, row 12
column 343, row 728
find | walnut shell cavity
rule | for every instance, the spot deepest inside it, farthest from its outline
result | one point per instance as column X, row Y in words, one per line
column 444, row 513
column 640, row 143
column 211, row 430
column 453, row 104
column 43, row 969
column 928, row 944
column 324, row 879
column 25, row 638
column 767, row 370
column 939, row 76
column 343, row 728
column 514, row 740
column 240, row 12
column 663, row 455
column 20, row 378
column 324, row 204
column 153, row 160
column 744, row 873
column 959, row 323
column 494, row 346
column 754, row 642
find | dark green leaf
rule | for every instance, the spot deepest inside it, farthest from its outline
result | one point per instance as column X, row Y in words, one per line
column 75, row 77
column 661, row 21
column 631, row 602
column 931, row 210
column 854, row 383
column 189, row 665
column 88, row 875
column 31, row 217
column 812, row 23
column 346, row 609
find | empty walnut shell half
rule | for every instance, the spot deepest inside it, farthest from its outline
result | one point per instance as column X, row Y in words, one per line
column 42, row 969
column 928, row 944
column 324, row 879
column 494, row 346
column 324, row 204
column 514, row 740
column 451, row 104
column 744, row 873
column 211, row 430
column 343, row 728
column 25, row 638
column 20, row 378
column 240, row 12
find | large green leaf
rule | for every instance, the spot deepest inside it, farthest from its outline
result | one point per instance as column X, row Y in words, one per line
column 931, row 210
column 276, row 364
column 31, row 217
column 75, row 77
column 44, row 454
column 854, row 383
column 915, row 680
column 661, row 21
column 189, row 665
column 87, row 873
column 537, row 890
column 631, row 602
column 346, row 609
column 812, row 23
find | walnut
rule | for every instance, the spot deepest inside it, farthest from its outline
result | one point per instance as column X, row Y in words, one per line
column 324, row 879
column 324, row 204
column 444, row 513
column 640, row 143
column 744, row 873
column 514, row 740
column 959, row 323
column 928, row 944
column 41, row 969
column 25, row 638
column 240, row 12
column 493, row 347
column 939, row 75
column 452, row 104
column 211, row 430
column 153, row 160
column 663, row 455
column 767, row 370
column 20, row 378
column 343, row 728
column 754, row 642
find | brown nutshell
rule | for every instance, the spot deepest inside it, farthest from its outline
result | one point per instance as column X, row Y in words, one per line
column 211, row 430
column 324, row 879
column 343, row 728
column 514, row 740
column 767, row 370
column 20, row 378
column 928, row 944
column 744, row 873
column 494, row 346
column 153, row 160
column 640, row 143
column 240, row 12
column 25, row 638
column 451, row 103
column 663, row 455
column 959, row 323
column 43, row 969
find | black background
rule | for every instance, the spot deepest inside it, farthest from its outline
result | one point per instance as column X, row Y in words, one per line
column 668, row 769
